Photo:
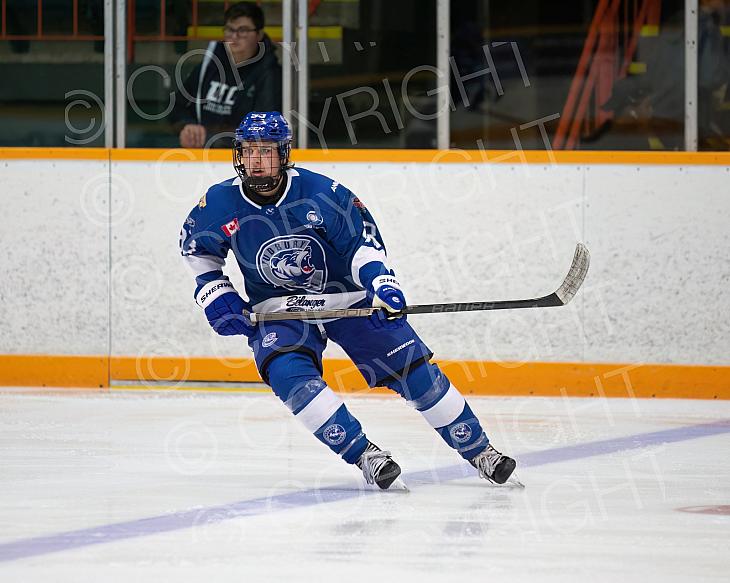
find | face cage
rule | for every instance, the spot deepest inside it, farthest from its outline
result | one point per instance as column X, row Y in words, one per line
column 284, row 149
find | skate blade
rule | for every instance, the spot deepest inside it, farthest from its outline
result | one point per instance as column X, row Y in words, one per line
column 513, row 482
column 398, row 485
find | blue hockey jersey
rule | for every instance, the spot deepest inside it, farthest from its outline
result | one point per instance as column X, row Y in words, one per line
column 307, row 251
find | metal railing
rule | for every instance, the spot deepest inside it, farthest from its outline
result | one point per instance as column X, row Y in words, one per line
column 132, row 35
column 609, row 49
column 39, row 34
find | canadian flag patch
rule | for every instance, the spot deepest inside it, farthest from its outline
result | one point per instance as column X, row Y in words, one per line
column 230, row 228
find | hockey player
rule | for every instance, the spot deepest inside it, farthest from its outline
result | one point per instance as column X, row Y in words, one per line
column 305, row 242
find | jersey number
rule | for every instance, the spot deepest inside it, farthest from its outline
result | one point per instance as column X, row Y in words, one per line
column 370, row 234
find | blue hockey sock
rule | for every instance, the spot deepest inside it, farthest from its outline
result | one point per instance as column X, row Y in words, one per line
column 428, row 390
column 297, row 382
column 465, row 434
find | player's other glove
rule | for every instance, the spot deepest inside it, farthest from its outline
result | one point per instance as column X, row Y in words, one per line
column 224, row 308
column 386, row 293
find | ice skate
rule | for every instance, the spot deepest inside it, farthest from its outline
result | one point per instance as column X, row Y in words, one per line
column 495, row 467
column 379, row 468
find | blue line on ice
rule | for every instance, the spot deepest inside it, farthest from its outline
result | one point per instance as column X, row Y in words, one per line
column 63, row 541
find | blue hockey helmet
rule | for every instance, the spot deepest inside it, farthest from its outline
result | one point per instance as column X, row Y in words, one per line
column 262, row 126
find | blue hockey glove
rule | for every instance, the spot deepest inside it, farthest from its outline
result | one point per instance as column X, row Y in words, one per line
column 224, row 308
column 386, row 293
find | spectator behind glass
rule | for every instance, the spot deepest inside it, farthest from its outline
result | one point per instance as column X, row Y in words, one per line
column 239, row 75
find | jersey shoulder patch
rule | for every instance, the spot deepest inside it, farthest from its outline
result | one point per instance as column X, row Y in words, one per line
column 217, row 203
column 220, row 195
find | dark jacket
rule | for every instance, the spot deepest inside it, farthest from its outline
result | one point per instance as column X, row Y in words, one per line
column 221, row 102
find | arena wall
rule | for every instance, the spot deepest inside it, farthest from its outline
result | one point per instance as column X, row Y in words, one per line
column 92, row 265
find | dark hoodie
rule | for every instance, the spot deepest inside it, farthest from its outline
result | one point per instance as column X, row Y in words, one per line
column 224, row 100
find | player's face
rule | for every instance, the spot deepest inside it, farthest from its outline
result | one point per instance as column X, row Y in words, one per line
column 261, row 159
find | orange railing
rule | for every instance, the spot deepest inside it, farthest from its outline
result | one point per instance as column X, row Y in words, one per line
column 131, row 29
column 610, row 46
column 39, row 34
column 162, row 35
column 132, row 35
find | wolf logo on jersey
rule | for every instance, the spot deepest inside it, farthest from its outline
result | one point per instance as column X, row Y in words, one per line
column 293, row 265
column 293, row 262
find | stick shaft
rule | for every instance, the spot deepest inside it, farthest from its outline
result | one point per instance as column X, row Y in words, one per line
column 560, row 297
column 444, row 308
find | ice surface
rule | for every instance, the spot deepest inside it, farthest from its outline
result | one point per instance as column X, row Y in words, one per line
column 172, row 486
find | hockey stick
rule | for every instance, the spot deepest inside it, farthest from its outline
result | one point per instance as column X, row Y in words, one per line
column 567, row 290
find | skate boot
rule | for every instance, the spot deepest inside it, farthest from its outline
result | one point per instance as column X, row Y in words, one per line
column 378, row 467
column 493, row 466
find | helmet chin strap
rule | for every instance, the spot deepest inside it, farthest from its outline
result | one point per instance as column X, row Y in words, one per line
column 263, row 183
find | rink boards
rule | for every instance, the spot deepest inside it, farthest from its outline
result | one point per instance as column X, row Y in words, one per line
column 94, row 290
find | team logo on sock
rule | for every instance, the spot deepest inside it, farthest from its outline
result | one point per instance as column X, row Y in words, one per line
column 334, row 434
column 293, row 262
column 269, row 339
column 460, row 433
